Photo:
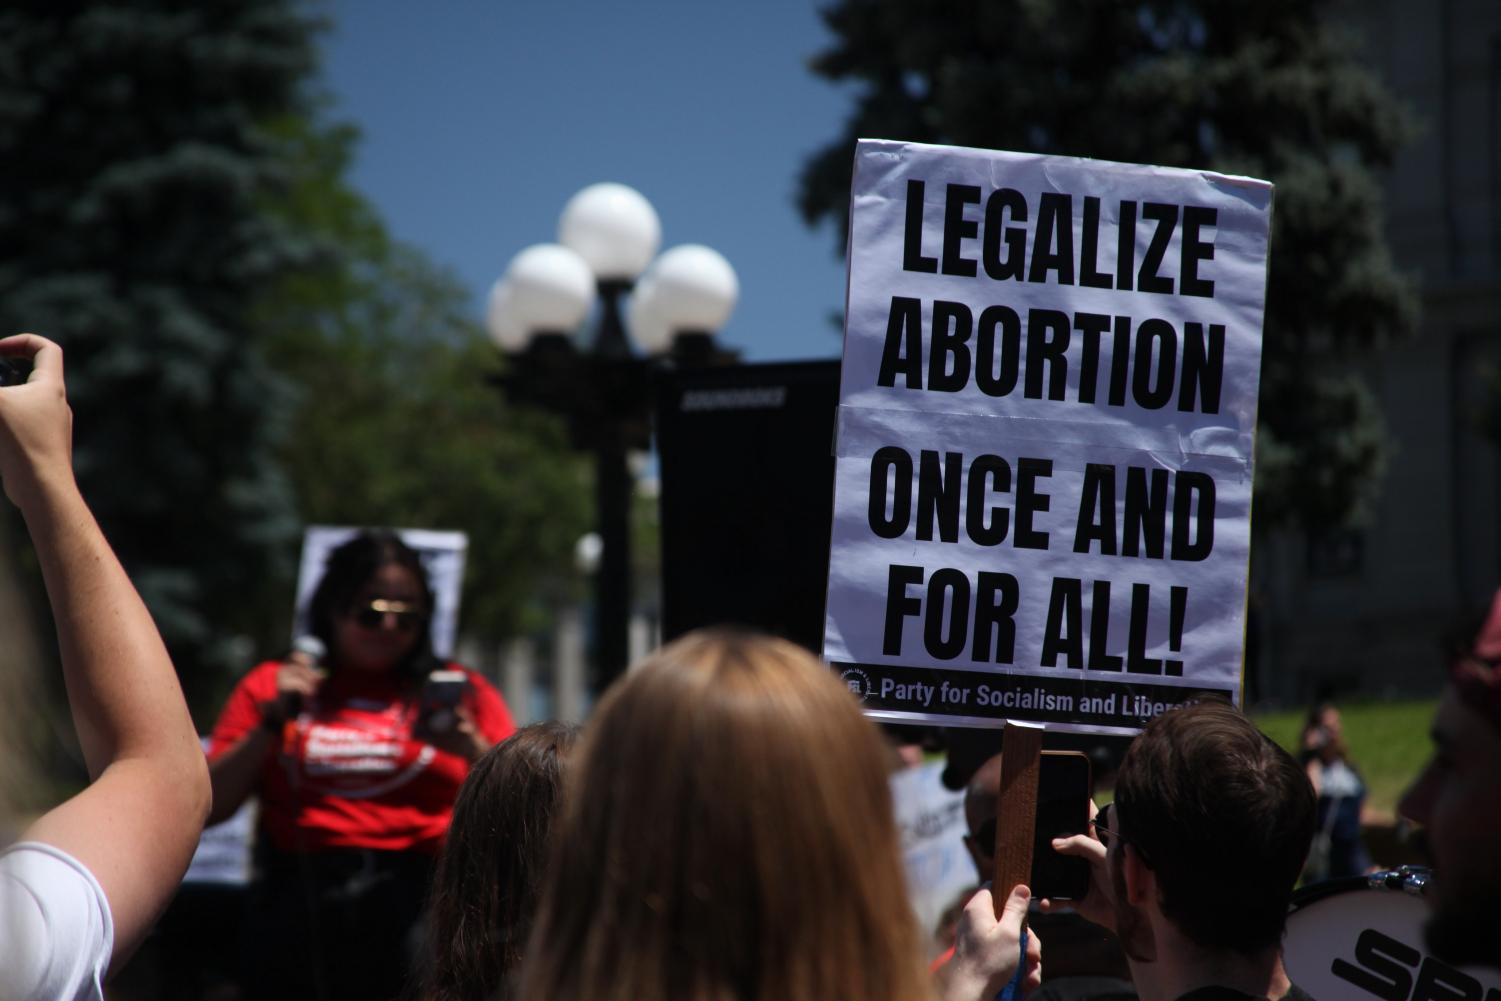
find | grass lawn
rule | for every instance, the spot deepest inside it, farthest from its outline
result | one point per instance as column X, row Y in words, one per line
column 1388, row 743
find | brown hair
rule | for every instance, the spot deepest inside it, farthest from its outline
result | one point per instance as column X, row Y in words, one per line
column 1223, row 817
column 728, row 835
column 485, row 888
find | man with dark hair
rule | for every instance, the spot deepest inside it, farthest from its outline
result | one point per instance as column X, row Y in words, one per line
column 1458, row 799
column 1194, row 864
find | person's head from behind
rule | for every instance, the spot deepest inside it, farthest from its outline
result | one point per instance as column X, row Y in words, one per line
column 1209, row 831
column 373, row 606
column 980, row 803
column 1457, row 798
column 728, row 834
column 485, row 889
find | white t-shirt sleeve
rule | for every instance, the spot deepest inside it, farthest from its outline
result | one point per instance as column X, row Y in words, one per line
column 56, row 933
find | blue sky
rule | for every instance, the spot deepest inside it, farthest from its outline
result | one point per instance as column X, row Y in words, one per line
column 481, row 117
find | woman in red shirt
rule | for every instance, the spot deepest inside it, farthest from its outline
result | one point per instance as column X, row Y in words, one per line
column 356, row 782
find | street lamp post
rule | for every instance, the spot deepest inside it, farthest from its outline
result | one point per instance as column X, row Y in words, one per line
column 608, row 235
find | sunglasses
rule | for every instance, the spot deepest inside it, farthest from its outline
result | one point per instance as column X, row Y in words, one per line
column 1105, row 828
column 1102, row 828
column 372, row 615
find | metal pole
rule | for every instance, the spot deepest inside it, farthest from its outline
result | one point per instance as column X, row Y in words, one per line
column 612, row 607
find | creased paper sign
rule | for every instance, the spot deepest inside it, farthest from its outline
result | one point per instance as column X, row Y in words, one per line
column 1046, row 427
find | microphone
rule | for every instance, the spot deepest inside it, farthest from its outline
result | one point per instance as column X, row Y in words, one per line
column 308, row 651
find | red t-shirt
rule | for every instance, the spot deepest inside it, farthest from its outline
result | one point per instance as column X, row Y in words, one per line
column 355, row 776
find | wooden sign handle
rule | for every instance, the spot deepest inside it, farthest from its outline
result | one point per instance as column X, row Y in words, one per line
column 1016, row 809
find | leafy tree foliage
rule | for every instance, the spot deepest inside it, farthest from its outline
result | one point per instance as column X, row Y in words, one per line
column 134, row 158
column 248, row 351
column 1269, row 88
column 392, row 422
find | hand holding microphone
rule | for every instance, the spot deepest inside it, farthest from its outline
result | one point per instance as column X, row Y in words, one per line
column 297, row 678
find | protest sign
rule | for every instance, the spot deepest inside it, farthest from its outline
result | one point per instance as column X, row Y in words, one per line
column 930, row 819
column 442, row 555
column 1046, row 424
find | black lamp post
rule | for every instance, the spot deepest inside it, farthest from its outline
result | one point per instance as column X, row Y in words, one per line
column 603, row 390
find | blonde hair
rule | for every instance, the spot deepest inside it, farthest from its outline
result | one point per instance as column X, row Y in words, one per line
column 727, row 836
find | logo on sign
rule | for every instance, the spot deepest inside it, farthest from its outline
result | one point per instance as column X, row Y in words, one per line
column 858, row 682
column 1384, row 967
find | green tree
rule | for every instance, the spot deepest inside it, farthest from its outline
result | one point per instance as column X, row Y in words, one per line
column 248, row 350
column 391, row 422
column 134, row 161
column 1269, row 88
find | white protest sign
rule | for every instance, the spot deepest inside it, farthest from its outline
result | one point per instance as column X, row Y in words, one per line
column 1047, row 414
column 930, row 819
column 442, row 555
column 223, row 852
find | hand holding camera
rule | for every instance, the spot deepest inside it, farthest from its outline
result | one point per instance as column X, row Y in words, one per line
column 36, row 424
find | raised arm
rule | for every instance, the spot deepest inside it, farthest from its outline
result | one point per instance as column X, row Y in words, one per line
column 136, row 824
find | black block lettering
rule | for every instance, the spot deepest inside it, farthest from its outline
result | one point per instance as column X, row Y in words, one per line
column 1047, row 353
column 947, row 590
column 1203, row 367
column 993, row 382
column 957, row 229
column 952, row 322
column 996, row 601
column 887, row 462
column 1156, row 347
column 1194, row 249
column 1001, row 203
column 1186, row 486
column 1166, row 217
column 912, row 256
column 938, row 495
column 1053, row 243
column 902, row 354
column 1146, row 512
column 1064, row 633
column 994, row 469
column 1029, row 502
column 1091, row 325
column 1096, row 510
column 1090, row 275
column 899, row 606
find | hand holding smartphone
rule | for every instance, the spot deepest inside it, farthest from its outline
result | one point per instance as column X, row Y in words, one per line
column 441, row 694
column 1063, row 792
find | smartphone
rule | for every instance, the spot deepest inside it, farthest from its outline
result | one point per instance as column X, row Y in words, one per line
column 441, row 694
column 1063, row 791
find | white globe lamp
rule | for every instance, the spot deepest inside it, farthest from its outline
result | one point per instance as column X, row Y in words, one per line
column 649, row 326
column 502, row 321
column 694, row 289
column 546, row 288
column 613, row 228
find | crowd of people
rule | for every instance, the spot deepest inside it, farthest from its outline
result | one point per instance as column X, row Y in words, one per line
column 722, row 829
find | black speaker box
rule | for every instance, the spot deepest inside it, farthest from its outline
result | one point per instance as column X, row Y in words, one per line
column 747, row 492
